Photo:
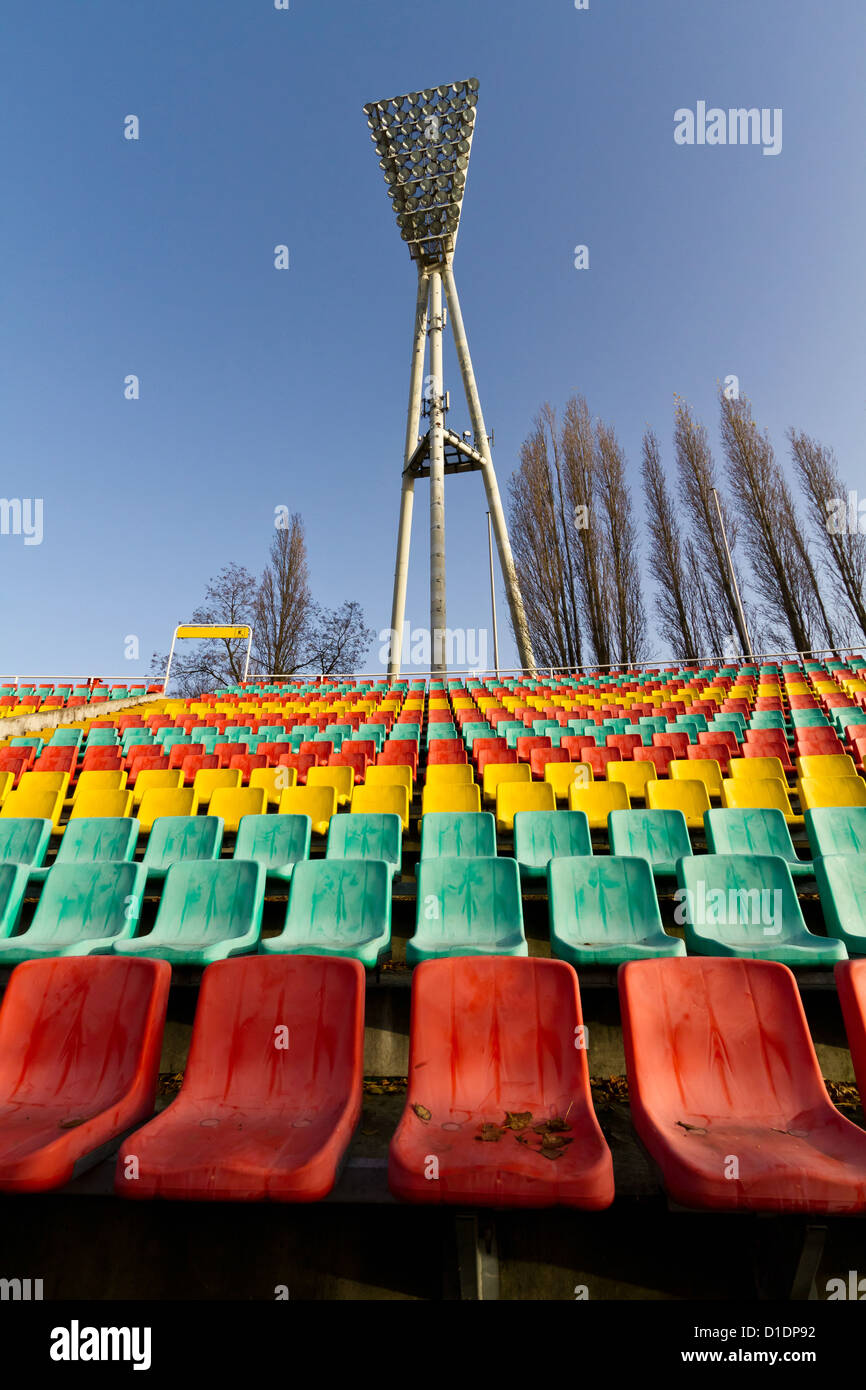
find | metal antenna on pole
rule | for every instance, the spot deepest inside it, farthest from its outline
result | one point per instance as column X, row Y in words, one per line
column 740, row 610
column 423, row 141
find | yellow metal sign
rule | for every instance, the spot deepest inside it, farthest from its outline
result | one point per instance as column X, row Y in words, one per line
column 213, row 631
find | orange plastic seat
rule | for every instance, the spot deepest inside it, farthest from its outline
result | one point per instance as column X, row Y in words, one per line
column 726, row 1092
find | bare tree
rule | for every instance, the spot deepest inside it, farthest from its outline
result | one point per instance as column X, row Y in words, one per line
column 230, row 600
column 283, row 608
column 337, row 639
column 671, row 560
column 592, row 564
column 782, row 570
column 697, row 481
column 627, row 615
column 843, row 546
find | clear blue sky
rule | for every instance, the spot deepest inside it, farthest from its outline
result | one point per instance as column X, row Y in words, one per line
column 261, row 388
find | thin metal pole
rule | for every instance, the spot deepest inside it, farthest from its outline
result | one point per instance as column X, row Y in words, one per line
column 493, row 599
column 740, row 610
column 436, row 398
column 407, row 491
column 494, row 502
column 168, row 667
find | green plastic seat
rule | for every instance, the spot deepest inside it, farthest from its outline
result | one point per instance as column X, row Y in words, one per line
column 90, row 839
column 101, row 738
column 841, row 880
column 604, row 910
column 208, row 910
column 83, row 910
column 65, row 738
column 458, row 835
column 337, row 907
column 467, row 907
column 278, row 843
column 754, row 830
column 836, row 830
column 24, row 840
column 540, row 836
column 13, row 884
column 659, row 837
column 367, row 835
column 174, row 839
column 746, row 906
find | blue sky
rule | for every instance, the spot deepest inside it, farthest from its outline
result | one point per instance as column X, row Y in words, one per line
column 261, row 388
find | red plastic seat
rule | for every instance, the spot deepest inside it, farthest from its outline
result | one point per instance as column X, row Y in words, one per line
column 272, row 1090
column 851, row 984
column 626, row 743
column 247, row 763
column 598, row 759
column 540, row 757
column 819, row 739
column 179, row 752
column 676, row 739
column 725, row 736
column 446, row 745
column 526, row 746
column 661, row 758
column 714, row 752
column 197, row 762
column 80, row 1041
column 726, row 1092
column 491, row 1036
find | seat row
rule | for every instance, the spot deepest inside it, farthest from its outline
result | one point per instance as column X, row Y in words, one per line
column 499, row 1109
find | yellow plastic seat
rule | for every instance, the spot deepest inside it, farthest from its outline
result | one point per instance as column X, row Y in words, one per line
column 495, row 773
column 165, row 801
column 634, row 777
column 382, row 801
column 7, row 780
column 757, row 769
column 274, row 781
column 102, row 780
column 767, row 793
column 233, row 802
column 397, row 775
column 102, row 801
column 597, row 800
column 453, row 798
column 687, row 795
column 342, row 779
column 44, row 782
column 319, row 803
column 34, row 804
column 562, row 775
column 156, row 779
column 512, row 797
column 211, row 779
column 826, row 764
column 705, row 770
column 831, row 791
column 447, row 774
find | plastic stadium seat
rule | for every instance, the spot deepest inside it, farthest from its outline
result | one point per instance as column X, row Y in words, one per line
column 633, row 776
column 278, row 843
column 319, row 803
column 758, row 769
column 25, row 841
column 174, row 839
column 746, row 905
column 285, row 1125
column 460, row 835
column 382, row 801
column 851, row 986
column 231, row 804
column 599, row 759
column 36, row 781
column 104, row 1018
column 179, row 752
column 688, row 796
column 83, row 910
column 514, row 797
column 604, row 910
column 208, row 910
column 769, row 793
column 496, row 773
column 89, row 840
column 210, row 780
column 540, row 836
column 467, row 907
column 455, row 799
column 754, row 830
column 816, row 792
column 99, row 779
column 659, row 837
column 370, row 835
column 447, row 774
column 337, row 907
column 28, row 804
column 492, row 1056
column 390, row 776
column 92, row 803
column 337, row 775
column 826, row 765
column 836, row 830
column 720, row 1063
column 677, row 741
column 165, row 801
column 841, row 880
column 705, row 770
column 155, row 779
column 598, row 800
column 661, row 758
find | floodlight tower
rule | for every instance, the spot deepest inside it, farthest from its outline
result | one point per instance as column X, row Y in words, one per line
column 423, row 141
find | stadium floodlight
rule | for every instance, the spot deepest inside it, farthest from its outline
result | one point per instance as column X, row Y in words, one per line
column 424, row 141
